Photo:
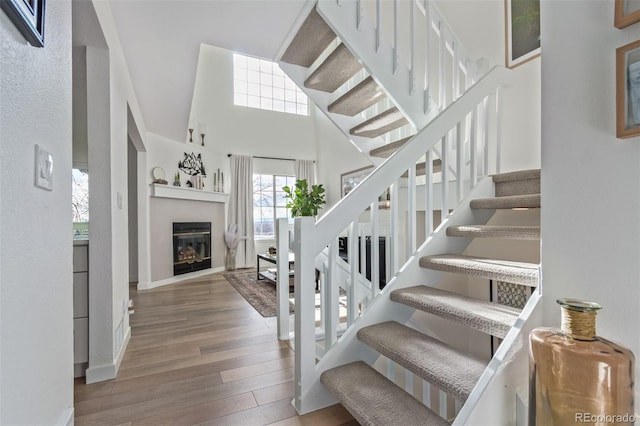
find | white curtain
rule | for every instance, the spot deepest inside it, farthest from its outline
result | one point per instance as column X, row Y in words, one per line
column 305, row 170
column 241, row 208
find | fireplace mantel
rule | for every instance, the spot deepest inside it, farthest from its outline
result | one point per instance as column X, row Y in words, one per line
column 178, row 192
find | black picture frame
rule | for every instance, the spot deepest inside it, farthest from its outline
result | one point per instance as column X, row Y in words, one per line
column 28, row 17
column 522, row 31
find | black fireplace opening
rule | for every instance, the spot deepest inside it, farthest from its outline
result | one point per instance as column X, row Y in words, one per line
column 191, row 247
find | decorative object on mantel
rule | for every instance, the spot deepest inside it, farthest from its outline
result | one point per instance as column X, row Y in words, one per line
column 176, row 179
column 203, row 129
column 197, row 181
column 231, row 239
column 218, row 181
column 191, row 131
column 573, row 373
column 158, row 176
column 192, row 164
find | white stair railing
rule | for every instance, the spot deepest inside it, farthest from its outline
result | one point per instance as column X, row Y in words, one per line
column 409, row 49
column 410, row 198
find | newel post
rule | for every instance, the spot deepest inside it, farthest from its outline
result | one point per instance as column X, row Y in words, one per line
column 304, row 277
column 282, row 280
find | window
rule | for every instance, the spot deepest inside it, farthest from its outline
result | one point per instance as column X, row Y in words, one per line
column 262, row 84
column 80, row 204
column 269, row 203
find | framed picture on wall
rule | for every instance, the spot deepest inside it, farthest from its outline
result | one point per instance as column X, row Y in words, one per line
column 522, row 31
column 349, row 180
column 628, row 90
column 627, row 12
column 28, row 17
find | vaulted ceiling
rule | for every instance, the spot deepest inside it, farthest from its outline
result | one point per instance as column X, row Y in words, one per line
column 161, row 41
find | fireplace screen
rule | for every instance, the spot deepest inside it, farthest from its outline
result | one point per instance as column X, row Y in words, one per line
column 191, row 246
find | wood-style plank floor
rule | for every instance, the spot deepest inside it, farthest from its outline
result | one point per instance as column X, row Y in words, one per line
column 199, row 354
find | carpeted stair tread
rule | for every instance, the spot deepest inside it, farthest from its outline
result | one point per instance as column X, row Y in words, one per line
column 388, row 149
column 455, row 372
column 374, row 400
column 512, row 232
column 487, row 317
column 493, row 269
column 339, row 67
column 517, row 183
column 362, row 96
column 507, row 202
column 313, row 37
column 382, row 123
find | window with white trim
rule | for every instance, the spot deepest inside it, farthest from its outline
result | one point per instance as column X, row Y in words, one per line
column 269, row 203
column 262, row 84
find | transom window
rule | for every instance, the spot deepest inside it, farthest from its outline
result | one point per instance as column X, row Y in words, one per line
column 269, row 203
column 262, row 84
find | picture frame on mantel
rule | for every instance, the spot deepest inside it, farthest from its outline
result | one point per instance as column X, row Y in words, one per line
column 28, row 17
column 628, row 90
column 627, row 12
column 522, row 31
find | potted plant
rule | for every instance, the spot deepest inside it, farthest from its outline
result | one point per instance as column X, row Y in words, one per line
column 304, row 201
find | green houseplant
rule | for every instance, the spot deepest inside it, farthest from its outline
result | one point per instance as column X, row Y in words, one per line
column 304, row 201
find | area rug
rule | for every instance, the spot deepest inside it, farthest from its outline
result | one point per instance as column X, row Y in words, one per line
column 261, row 294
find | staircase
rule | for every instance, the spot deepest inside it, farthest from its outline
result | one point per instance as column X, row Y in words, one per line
column 338, row 83
column 450, row 370
column 431, row 136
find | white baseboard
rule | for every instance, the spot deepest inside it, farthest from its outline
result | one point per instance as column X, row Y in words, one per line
column 108, row 371
column 179, row 278
column 67, row 417
column 125, row 342
column 100, row 373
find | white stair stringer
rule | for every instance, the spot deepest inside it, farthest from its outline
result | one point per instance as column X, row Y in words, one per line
column 505, row 381
column 348, row 348
column 341, row 17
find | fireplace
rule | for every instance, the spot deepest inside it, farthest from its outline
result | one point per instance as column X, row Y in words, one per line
column 191, row 246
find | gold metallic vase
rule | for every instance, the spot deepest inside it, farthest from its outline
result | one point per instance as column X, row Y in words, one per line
column 576, row 377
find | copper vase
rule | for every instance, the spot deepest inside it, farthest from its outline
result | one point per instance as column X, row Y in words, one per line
column 577, row 377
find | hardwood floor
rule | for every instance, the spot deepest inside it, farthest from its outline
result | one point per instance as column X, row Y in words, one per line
column 199, row 354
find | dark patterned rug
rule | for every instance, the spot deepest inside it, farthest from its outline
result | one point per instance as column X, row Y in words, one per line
column 261, row 294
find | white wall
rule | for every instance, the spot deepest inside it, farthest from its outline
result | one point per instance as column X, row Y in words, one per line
column 109, row 325
column 249, row 131
column 241, row 130
column 335, row 155
column 480, row 25
column 36, row 346
column 590, row 179
column 166, row 153
column 132, row 173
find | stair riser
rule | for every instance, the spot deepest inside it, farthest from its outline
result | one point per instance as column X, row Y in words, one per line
column 518, row 187
column 528, row 235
